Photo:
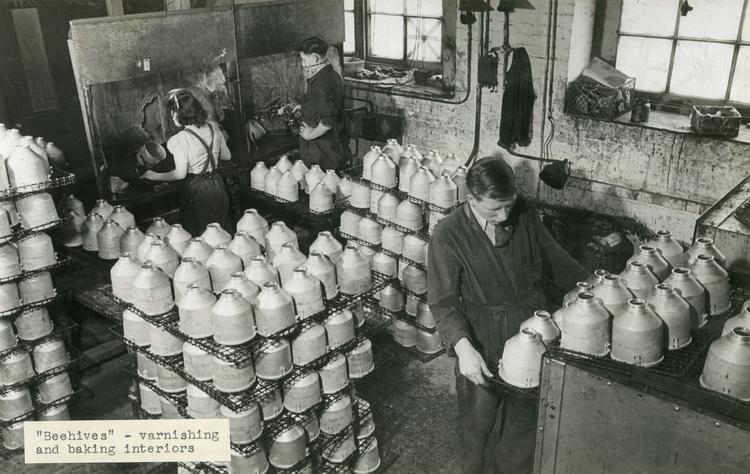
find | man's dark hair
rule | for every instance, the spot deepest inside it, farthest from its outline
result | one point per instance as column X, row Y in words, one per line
column 313, row 45
column 491, row 177
column 189, row 109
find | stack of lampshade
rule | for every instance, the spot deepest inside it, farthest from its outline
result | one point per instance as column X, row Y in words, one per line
column 233, row 291
column 111, row 230
column 286, row 180
column 394, row 206
column 31, row 355
column 727, row 366
column 662, row 297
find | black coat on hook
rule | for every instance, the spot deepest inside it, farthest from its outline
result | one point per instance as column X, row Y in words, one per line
column 518, row 102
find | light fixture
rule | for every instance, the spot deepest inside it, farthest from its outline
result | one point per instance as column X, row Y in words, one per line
column 512, row 5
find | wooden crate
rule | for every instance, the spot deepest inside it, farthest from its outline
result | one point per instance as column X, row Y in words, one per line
column 720, row 121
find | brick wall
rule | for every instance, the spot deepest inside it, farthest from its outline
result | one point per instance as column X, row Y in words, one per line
column 661, row 178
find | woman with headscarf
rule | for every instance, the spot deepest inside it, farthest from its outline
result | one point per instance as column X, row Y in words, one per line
column 197, row 149
column 324, row 139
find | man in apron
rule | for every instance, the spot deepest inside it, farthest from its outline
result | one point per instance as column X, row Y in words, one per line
column 485, row 265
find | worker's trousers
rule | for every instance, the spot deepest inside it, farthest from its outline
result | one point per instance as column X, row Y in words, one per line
column 496, row 432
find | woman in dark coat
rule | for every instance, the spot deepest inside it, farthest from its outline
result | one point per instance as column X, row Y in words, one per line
column 197, row 150
column 323, row 136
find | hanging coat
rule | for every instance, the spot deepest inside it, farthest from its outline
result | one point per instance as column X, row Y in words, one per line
column 518, row 102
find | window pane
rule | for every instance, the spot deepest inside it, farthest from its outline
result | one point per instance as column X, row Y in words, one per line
column 746, row 26
column 654, row 17
column 349, row 44
column 741, row 82
column 387, row 6
column 424, row 39
column 712, row 19
column 387, row 36
column 645, row 59
column 349, row 5
column 424, row 8
column 701, row 69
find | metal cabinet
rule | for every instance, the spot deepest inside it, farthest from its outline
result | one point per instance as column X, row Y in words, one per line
column 590, row 422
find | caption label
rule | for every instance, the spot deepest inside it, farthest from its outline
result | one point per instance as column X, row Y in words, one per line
column 101, row 441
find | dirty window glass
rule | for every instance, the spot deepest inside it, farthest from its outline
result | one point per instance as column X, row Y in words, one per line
column 655, row 17
column 741, row 83
column 349, row 28
column 696, row 49
column 722, row 24
column 646, row 59
column 401, row 32
column 701, row 69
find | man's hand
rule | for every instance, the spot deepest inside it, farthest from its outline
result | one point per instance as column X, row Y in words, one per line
column 305, row 130
column 470, row 362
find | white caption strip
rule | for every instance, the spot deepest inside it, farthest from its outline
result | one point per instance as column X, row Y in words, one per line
column 101, row 441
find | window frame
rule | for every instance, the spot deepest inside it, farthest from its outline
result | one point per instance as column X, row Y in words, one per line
column 362, row 16
column 683, row 103
column 358, row 25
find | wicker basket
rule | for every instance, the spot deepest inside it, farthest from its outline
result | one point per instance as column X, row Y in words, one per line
column 589, row 98
column 352, row 65
column 721, row 120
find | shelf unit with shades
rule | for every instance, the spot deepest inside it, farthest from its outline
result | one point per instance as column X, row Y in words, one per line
column 35, row 351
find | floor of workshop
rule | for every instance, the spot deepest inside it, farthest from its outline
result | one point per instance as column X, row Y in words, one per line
column 413, row 404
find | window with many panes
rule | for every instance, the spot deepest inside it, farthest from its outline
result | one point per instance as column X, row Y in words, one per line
column 704, row 54
column 350, row 24
column 400, row 32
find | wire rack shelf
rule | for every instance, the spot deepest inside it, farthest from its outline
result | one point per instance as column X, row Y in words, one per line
column 20, row 233
column 58, row 179
column 38, row 378
column 354, row 174
column 25, row 308
column 242, row 355
column 301, row 206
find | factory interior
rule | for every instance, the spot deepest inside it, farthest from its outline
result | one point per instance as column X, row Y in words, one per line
column 377, row 236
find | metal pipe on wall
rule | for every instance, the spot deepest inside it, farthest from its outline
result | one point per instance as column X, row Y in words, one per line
column 484, row 38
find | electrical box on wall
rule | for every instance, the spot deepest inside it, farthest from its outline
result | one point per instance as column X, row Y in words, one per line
column 488, row 68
